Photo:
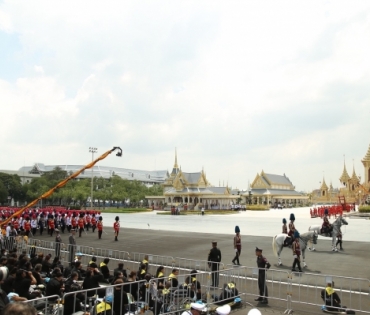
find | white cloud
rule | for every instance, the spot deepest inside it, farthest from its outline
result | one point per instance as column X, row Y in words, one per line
column 237, row 87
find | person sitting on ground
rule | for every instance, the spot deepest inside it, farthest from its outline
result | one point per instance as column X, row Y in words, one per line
column 78, row 269
column 196, row 284
column 228, row 294
column 46, row 265
column 173, row 278
column 70, row 281
column 72, row 303
column 37, row 274
column 160, row 276
column 131, row 286
column 142, row 271
column 331, row 298
column 8, row 284
column 145, row 262
column 92, row 279
column 120, row 269
column 118, row 275
column 68, row 270
column 22, row 283
column 105, row 270
column 55, row 285
column 120, row 298
column 57, row 264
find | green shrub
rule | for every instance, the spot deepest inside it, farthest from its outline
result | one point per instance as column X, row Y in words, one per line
column 364, row 209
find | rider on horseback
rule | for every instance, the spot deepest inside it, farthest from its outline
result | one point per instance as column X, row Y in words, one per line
column 285, row 231
column 292, row 228
column 326, row 226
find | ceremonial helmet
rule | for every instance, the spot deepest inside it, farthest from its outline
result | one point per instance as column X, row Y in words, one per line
column 284, row 220
column 296, row 234
column 117, row 218
column 292, row 217
column 237, row 229
column 100, row 218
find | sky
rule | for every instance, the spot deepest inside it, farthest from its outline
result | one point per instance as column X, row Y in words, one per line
column 236, row 86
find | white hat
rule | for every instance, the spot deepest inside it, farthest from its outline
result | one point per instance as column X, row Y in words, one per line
column 223, row 310
column 197, row 306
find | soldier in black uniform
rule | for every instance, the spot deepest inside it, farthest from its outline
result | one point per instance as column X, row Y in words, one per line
column 262, row 264
column 214, row 259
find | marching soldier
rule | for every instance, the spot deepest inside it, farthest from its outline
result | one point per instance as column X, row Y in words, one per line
column 87, row 221
column 27, row 226
column 69, row 223
column 116, row 228
column 296, row 252
column 214, row 259
column 51, row 225
column 81, row 224
column 262, row 265
column 93, row 223
column 99, row 226
column 237, row 246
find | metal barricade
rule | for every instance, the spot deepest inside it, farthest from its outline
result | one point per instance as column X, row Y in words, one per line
column 153, row 260
column 47, row 305
column 308, row 289
column 175, row 296
column 110, row 253
column 190, row 264
column 252, row 283
column 109, row 296
column 10, row 243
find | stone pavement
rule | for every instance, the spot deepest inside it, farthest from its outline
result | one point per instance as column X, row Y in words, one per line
column 193, row 245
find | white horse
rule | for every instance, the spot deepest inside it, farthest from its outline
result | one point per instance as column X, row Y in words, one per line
column 339, row 221
column 304, row 238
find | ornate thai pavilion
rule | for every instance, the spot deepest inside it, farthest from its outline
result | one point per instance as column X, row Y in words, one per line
column 273, row 189
column 192, row 191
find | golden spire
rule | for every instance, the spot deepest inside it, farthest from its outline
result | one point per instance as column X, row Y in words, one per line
column 323, row 185
column 345, row 177
column 367, row 156
column 354, row 176
column 175, row 166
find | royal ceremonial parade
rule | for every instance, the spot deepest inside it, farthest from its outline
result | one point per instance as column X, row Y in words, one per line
column 184, row 157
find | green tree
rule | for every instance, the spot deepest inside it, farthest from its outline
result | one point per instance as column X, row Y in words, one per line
column 3, row 193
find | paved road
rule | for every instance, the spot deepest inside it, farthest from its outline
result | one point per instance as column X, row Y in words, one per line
column 191, row 236
column 257, row 223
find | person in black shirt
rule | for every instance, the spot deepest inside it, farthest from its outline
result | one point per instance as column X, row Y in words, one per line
column 22, row 284
column 37, row 274
column 262, row 264
column 120, row 299
column 105, row 270
column 120, row 269
column 55, row 285
column 92, row 279
column 214, row 259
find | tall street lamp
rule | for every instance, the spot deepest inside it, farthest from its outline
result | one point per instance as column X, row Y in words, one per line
column 92, row 150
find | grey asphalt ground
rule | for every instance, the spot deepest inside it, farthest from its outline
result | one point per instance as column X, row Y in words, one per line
column 352, row 262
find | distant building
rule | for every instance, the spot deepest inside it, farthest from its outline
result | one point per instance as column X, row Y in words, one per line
column 351, row 187
column 191, row 191
column 149, row 178
column 269, row 189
